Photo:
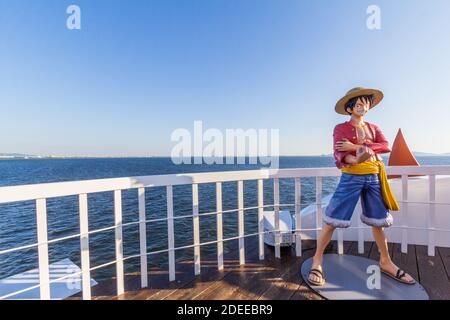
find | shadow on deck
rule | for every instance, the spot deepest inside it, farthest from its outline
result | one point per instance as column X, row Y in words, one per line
column 271, row 278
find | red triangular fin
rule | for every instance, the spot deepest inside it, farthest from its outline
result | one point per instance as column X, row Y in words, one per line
column 401, row 155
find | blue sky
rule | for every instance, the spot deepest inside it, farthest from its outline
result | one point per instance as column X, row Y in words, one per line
column 137, row 70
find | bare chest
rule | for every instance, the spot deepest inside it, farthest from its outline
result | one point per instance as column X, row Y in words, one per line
column 364, row 134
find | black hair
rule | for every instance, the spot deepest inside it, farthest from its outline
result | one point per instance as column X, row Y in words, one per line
column 351, row 103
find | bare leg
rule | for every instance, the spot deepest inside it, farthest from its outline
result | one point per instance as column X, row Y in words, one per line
column 385, row 260
column 322, row 242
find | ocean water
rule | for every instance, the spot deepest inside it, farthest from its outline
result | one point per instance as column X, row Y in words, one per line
column 18, row 220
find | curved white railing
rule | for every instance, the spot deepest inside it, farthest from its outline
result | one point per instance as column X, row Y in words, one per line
column 41, row 192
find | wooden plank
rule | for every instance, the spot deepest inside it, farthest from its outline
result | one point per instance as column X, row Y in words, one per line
column 354, row 249
column 347, row 245
column 250, row 281
column 186, row 280
column 213, row 280
column 160, row 284
column 406, row 261
column 444, row 253
column 303, row 292
column 289, row 282
column 197, row 285
column 107, row 290
column 275, row 278
column 432, row 274
column 286, row 285
column 375, row 255
column 209, row 277
column 187, row 285
column 273, row 269
column 238, row 278
column 241, row 282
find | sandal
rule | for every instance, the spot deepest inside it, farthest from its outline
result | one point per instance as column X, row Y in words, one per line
column 398, row 276
column 317, row 273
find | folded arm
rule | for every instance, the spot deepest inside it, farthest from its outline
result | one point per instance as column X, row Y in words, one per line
column 381, row 144
column 339, row 156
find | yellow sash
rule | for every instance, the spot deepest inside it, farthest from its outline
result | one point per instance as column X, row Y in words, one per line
column 376, row 167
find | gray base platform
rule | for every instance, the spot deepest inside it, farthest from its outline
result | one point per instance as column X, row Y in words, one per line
column 354, row 278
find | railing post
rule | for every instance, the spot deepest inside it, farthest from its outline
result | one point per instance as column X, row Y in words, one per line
column 84, row 245
column 404, row 246
column 42, row 238
column 318, row 206
column 196, row 228
column 143, row 237
column 276, row 200
column 360, row 237
column 298, row 223
column 340, row 241
column 431, row 215
column 119, row 242
column 241, row 222
column 170, row 233
column 261, row 218
column 219, row 226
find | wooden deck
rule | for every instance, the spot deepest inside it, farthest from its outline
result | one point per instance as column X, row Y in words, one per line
column 272, row 278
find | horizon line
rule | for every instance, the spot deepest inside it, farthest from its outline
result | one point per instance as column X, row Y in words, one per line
column 12, row 156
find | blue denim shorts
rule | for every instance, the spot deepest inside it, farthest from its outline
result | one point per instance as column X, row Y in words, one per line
column 343, row 202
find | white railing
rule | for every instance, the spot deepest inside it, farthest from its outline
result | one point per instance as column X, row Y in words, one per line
column 41, row 192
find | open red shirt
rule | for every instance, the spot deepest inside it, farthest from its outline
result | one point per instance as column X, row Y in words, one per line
column 347, row 130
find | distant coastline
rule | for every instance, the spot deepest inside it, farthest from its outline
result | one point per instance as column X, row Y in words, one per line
column 19, row 156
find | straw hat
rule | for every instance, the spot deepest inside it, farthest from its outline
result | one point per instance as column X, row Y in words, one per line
column 356, row 92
